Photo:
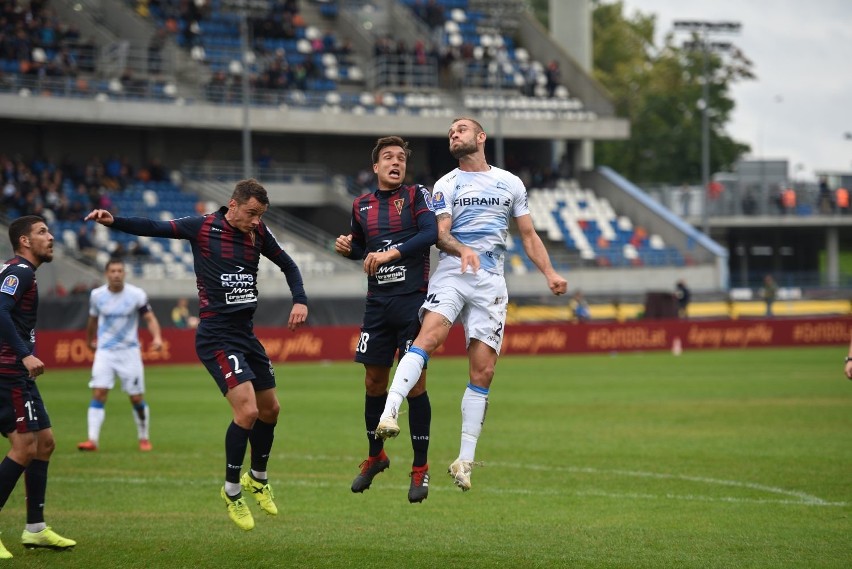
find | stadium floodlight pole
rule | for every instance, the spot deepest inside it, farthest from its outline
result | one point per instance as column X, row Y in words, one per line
column 702, row 30
column 246, row 94
column 243, row 9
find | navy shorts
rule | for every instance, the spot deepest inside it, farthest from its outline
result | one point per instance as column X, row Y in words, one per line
column 21, row 406
column 390, row 326
column 232, row 353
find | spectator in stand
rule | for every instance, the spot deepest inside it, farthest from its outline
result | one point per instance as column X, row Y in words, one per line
column 181, row 316
column 788, row 200
column 683, row 296
column 826, row 204
column 553, row 76
column 842, row 199
column 769, row 292
column 579, row 307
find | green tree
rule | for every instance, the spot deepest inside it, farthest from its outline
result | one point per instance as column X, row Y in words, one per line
column 659, row 90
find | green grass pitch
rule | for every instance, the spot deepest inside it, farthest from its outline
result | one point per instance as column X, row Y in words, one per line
column 710, row 459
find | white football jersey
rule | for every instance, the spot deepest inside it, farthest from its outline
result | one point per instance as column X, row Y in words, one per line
column 118, row 316
column 481, row 205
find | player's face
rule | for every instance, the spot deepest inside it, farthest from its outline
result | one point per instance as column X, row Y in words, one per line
column 390, row 169
column 115, row 276
column 40, row 242
column 245, row 216
column 464, row 139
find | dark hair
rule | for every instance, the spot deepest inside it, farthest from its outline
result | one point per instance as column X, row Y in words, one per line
column 386, row 141
column 248, row 189
column 22, row 226
column 113, row 261
column 475, row 123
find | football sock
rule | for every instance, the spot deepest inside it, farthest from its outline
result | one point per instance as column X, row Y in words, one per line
column 142, row 415
column 10, row 472
column 97, row 414
column 35, row 481
column 261, row 437
column 236, row 441
column 260, row 476
column 473, row 408
column 407, row 373
column 419, row 420
column 373, row 407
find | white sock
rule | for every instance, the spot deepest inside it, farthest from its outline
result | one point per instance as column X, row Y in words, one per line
column 258, row 475
column 233, row 488
column 473, row 408
column 96, row 419
column 35, row 528
column 404, row 379
column 142, row 424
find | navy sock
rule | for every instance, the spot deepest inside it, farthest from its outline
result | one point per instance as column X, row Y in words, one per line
column 10, row 472
column 261, row 437
column 419, row 421
column 373, row 407
column 236, row 441
column 35, row 481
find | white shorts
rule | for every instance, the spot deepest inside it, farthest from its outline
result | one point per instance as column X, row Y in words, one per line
column 126, row 364
column 478, row 300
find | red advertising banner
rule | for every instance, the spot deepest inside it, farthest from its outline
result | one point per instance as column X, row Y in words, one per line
column 337, row 343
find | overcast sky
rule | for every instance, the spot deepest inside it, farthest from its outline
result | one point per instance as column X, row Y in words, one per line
column 800, row 106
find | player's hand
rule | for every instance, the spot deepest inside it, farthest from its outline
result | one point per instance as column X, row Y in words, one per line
column 849, row 370
column 157, row 344
column 93, row 345
column 102, row 216
column 557, row 284
column 298, row 316
column 469, row 258
column 374, row 260
column 34, row 366
column 343, row 245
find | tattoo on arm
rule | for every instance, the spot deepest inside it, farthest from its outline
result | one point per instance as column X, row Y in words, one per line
column 446, row 242
column 446, row 322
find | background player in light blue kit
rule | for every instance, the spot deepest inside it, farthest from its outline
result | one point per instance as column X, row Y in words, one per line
column 113, row 332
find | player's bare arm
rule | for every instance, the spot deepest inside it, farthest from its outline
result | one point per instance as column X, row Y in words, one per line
column 452, row 246
column 154, row 328
column 537, row 253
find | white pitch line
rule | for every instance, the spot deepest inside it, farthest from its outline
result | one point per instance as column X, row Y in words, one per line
column 790, row 497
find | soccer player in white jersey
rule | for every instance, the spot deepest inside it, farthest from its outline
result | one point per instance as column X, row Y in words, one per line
column 113, row 333
column 473, row 204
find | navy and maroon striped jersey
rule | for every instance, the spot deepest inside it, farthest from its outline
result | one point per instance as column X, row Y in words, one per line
column 226, row 259
column 18, row 311
column 398, row 219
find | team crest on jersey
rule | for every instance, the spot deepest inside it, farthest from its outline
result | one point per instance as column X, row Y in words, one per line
column 438, row 200
column 398, row 204
column 10, row 285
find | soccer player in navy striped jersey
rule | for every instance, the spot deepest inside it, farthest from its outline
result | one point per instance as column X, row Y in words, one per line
column 23, row 416
column 392, row 231
column 226, row 247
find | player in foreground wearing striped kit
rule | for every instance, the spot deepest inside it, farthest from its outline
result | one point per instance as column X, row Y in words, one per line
column 226, row 248
column 23, row 415
column 393, row 229
column 113, row 332
column 473, row 205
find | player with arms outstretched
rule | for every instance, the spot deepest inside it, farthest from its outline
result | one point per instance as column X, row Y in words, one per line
column 226, row 247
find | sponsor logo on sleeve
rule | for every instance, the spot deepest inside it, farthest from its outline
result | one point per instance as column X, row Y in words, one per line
column 438, row 200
